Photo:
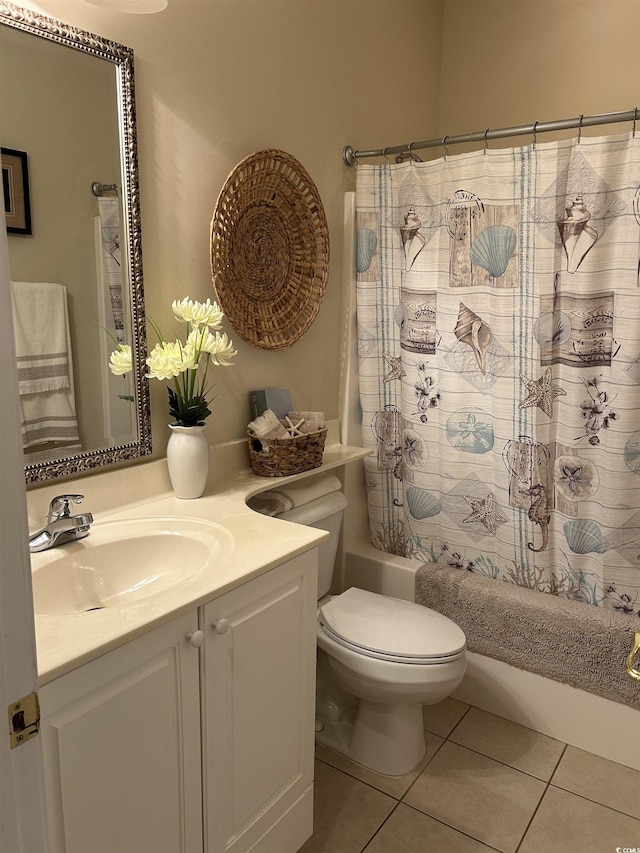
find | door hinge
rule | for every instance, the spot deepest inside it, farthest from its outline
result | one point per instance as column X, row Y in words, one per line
column 24, row 719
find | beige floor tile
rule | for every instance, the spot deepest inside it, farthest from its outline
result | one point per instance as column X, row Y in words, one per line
column 395, row 786
column 509, row 742
column 565, row 822
column 443, row 717
column 601, row 780
column 477, row 795
column 346, row 812
column 411, row 831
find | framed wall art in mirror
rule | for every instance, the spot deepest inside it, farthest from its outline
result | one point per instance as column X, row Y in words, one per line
column 15, row 189
column 77, row 282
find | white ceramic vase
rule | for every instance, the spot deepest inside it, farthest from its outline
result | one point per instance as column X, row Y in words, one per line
column 188, row 460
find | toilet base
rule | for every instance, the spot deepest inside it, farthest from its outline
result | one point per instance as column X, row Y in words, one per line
column 387, row 739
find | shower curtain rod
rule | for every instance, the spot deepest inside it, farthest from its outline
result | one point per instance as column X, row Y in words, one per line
column 351, row 156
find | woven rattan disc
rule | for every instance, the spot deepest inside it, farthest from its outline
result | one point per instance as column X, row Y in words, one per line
column 269, row 250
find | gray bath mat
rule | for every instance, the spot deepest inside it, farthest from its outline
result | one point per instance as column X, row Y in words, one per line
column 575, row 643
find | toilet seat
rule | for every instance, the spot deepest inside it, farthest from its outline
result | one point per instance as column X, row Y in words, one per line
column 391, row 629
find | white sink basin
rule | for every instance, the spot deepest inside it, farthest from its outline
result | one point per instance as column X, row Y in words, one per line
column 121, row 563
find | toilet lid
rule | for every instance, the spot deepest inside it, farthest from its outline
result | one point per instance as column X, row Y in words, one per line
column 390, row 627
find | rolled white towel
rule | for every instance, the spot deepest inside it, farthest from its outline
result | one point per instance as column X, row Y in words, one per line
column 286, row 497
column 267, row 426
column 309, row 421
column 310, row 426
column 314, row 417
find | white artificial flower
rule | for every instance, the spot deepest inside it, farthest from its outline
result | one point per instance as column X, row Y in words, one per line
column 120, row 360
column 169, row 359
column 198, row 338
column 222, row 352
column 175, row 360
column 198, row 313
column 219, row 347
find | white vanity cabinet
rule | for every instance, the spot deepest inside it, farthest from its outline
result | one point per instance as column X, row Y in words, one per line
column 258, row 710
column 186, row 742
column 121, row 740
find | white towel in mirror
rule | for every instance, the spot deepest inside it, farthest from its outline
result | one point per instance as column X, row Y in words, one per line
column 41, row 328
column 45, row 370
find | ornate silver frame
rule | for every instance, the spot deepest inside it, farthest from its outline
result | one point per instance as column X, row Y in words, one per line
column 122, row 57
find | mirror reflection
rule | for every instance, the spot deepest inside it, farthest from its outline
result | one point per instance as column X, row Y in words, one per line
column 76, row 278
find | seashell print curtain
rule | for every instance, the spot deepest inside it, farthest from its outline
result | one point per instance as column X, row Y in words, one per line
column 498, row 300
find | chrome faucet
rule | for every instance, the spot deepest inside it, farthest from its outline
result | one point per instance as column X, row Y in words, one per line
column 61, row 526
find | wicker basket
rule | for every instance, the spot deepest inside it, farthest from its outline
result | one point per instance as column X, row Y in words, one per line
column 281, row 457
column 270, row 249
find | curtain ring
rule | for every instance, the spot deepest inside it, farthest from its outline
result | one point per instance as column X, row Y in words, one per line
column 535, row 138
column 444, row 147
column 635, row 116
column 486, row 143
column 384, row 152
column 412, row 153
column 580, row 129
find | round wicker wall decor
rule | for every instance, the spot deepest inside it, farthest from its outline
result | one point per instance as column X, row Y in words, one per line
column 269, row 249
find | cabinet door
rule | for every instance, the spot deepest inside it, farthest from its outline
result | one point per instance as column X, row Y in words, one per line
column 121, row 738
column 258, row 712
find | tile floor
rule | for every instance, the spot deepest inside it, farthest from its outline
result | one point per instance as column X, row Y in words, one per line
column 485, row 784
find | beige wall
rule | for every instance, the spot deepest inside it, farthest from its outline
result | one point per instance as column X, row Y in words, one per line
column 513, row 62
column 217, row 80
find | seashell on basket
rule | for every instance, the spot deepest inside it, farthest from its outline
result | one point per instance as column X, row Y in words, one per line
column 281, row 457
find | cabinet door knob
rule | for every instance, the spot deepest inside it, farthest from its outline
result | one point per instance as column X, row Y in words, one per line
column 220, row 626
column 196, row 638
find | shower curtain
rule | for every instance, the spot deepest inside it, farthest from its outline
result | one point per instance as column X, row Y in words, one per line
column 498, row 302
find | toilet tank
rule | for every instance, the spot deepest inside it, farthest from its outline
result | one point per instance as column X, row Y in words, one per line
column 325, row 513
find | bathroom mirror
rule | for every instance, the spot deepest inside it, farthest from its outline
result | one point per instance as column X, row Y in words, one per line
column 68, row 116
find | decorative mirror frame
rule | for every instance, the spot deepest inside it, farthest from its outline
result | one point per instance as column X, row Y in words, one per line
column 122, row 58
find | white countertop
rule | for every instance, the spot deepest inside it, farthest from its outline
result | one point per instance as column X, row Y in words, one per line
column 260, row 543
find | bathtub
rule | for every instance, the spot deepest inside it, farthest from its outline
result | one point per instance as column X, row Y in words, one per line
column 574, row 716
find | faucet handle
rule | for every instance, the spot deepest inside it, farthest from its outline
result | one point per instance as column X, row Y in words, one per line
column 60, row 506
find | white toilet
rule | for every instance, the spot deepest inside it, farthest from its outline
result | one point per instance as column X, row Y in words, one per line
column 380, row 660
